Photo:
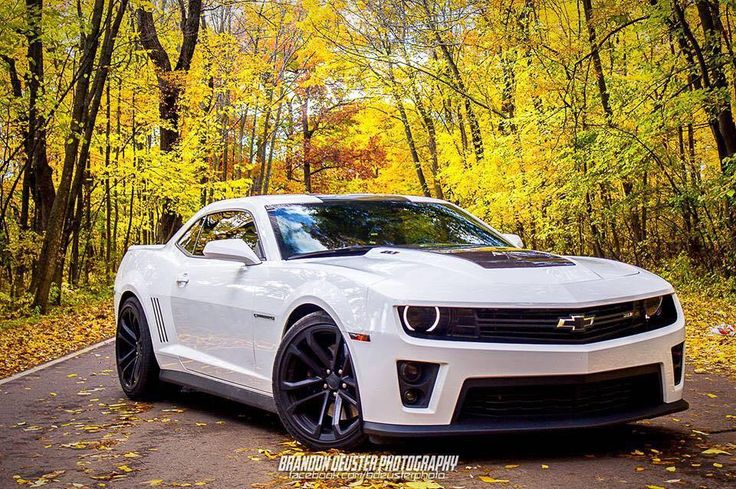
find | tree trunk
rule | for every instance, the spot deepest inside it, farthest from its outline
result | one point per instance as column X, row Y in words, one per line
column 169, row 90
column 85, row 106
column 38, row 171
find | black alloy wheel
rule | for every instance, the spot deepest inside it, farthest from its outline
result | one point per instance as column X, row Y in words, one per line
column 136, row 363
column 315, row 387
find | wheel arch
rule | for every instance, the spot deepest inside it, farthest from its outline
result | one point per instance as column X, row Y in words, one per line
column 299, row 312
column 338, row 309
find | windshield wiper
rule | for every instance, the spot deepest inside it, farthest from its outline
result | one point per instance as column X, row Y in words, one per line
column 346, row 251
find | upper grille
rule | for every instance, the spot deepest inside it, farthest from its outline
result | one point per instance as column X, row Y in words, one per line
column 535, row 325
column 560, row 397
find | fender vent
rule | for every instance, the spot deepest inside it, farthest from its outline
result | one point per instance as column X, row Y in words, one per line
column 160, row 326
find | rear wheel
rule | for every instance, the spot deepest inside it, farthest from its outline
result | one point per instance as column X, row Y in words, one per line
column 136, row 363
column 315, row 386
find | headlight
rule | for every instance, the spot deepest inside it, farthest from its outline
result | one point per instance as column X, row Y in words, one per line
column 421, row 319
column 652, row 307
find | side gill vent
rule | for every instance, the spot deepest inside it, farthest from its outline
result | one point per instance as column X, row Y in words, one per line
column 162, row 336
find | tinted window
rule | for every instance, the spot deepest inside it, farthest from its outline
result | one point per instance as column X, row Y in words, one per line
column 305, row 228
column 189, row 239
column 226, row 225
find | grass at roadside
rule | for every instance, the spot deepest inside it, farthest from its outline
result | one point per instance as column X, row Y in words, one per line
column 705, row 351
column 33, row 340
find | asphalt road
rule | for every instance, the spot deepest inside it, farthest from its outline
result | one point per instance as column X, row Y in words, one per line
column 69, row 425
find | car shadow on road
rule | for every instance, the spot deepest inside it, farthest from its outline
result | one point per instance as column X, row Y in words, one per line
column 597, row 442
column 223, row 409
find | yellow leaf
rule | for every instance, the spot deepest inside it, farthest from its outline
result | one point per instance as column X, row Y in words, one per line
column 714, row 451
column 712, row 396
column 511, row 466
column 422, row 485
column 125, row 468
column 717, row 465
column 545, row 466
column 154, row 482
column 670, row 469
column 491, row 480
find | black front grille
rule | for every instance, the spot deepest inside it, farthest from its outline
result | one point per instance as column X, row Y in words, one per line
column 542, row 325
column 560, row 397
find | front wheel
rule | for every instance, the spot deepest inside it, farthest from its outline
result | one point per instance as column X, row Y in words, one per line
column 315, row 387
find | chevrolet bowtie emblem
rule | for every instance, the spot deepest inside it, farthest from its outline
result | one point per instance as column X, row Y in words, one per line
column 576, row 322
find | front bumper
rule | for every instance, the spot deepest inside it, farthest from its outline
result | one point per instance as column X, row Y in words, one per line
column 518, row 426
column 384, row 414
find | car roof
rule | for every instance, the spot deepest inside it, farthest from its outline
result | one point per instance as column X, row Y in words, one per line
column 265, row 200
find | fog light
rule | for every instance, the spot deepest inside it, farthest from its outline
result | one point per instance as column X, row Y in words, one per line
column 411, row 396
column 416, row 382
column 410, row 371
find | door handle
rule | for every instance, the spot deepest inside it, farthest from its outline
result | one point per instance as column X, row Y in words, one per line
column 182, row 279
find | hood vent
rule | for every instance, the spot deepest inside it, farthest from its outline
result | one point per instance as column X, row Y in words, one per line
column 160, row 326
column 507, row 257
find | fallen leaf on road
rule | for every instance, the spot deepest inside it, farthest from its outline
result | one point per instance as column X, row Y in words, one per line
column 491, row 480
column 715, row 451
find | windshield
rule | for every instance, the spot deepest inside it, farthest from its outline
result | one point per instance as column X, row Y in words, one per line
column 315, row 229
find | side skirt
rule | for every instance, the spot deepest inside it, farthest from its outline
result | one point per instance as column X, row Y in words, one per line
column 219, row 388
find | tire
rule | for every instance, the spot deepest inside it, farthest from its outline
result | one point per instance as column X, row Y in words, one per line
column 313, row 377
column 134, row 357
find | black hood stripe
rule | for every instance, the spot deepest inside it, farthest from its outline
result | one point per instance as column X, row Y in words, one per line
column 506, row 257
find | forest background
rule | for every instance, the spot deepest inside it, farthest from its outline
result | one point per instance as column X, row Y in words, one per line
column 591, row 127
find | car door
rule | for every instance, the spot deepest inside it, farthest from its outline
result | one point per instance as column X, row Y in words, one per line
column 211, row 300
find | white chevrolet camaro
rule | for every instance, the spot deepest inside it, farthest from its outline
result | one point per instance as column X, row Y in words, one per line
column 387, row 316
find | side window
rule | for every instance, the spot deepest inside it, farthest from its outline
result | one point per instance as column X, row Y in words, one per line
column 189, row 240
column 228, row 225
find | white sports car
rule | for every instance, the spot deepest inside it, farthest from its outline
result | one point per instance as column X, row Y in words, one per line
column 387, row 316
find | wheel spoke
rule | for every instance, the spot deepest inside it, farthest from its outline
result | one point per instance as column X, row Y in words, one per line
column 128, row 364
column 306, row 360
column 293, row 407
column 318, row 350
column 136, row 373
column 322, row 415
column 125, row 328
column 300, row 384
column 336, row 413
column 125, row 357
column 337, row 359
column 349, row 398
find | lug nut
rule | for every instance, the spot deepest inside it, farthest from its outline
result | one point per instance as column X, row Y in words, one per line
column 328, row 371
column 324, row 386
column 334, row 394
column 339, row 372
column 344, row 385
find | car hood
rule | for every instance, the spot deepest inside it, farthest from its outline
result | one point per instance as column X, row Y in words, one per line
column 498, row 275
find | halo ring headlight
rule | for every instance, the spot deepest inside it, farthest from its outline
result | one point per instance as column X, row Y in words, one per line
column 434, row 324
column 652, row 306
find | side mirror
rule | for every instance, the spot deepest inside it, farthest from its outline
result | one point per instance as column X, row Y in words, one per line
column 514, row 239
column 232, row 250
